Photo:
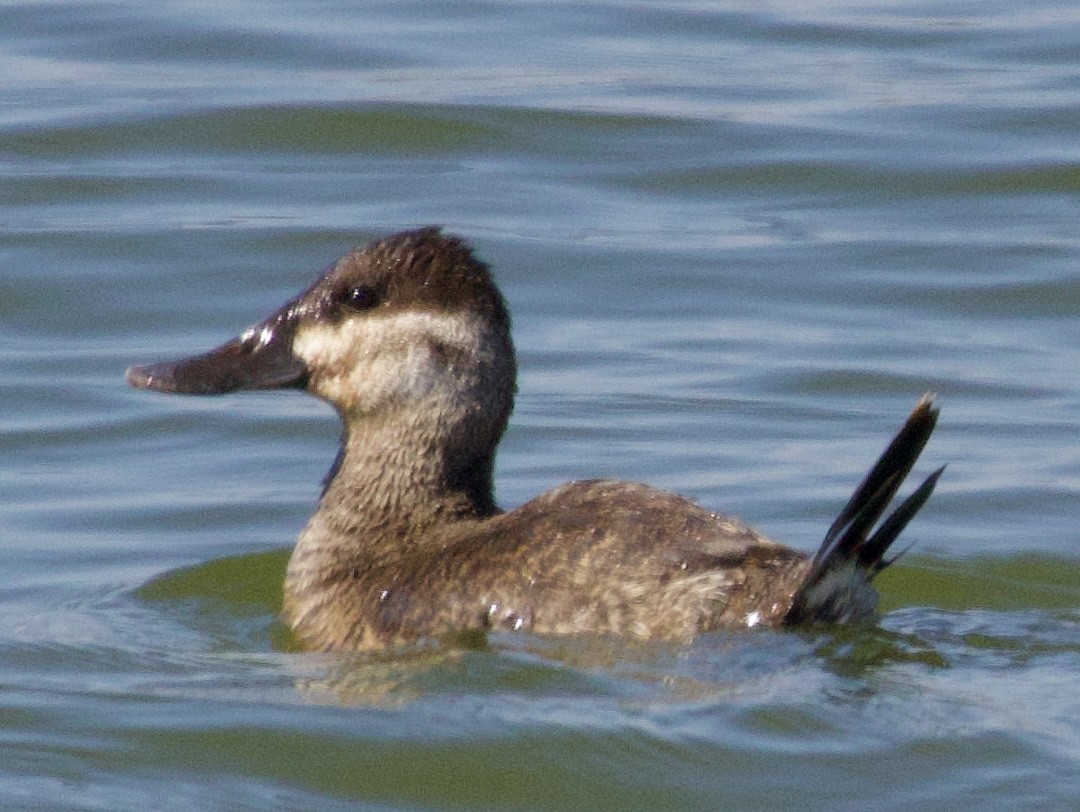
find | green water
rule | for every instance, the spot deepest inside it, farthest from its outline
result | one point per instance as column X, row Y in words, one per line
column 738, row 241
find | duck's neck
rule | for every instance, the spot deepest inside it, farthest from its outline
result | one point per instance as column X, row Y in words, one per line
column 401, row 474
column 389, row 492
column 391, row 496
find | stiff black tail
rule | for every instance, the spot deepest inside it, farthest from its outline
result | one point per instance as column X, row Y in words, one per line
column 836, row 588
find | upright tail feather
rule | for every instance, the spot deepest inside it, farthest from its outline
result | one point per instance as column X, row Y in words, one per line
column 837, row 585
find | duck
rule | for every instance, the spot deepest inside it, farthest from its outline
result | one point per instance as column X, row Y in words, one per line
column 408, row 338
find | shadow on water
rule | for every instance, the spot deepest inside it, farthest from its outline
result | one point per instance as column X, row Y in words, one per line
column 941, row 614
column 234, row 601
column 1009, row 583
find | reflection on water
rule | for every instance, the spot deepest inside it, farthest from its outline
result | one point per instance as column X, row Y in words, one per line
column 232, row 604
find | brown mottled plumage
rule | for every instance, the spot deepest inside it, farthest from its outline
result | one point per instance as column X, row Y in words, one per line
column 410, row 340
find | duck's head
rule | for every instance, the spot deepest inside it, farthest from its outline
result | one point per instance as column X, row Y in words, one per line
column 408, row 331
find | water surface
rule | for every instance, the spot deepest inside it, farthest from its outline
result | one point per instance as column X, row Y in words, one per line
column 738, row 241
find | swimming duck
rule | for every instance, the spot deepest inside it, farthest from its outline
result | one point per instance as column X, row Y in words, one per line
column 409, row 339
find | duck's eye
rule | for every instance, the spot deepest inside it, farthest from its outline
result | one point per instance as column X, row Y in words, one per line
column 358, row 297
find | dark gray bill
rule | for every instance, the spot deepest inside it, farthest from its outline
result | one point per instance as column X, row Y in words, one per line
column 261, row 358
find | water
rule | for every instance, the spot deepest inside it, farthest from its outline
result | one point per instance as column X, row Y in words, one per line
column 739, row 241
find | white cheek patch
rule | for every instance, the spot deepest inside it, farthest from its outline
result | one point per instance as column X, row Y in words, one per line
column 368, row 361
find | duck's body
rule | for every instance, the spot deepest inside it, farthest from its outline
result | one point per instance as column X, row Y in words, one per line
column 597, row 556
column 410, row 340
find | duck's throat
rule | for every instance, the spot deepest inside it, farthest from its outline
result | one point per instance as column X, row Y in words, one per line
column 386, row 496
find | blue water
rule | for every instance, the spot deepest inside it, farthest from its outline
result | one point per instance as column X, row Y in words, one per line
column 739, row 241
